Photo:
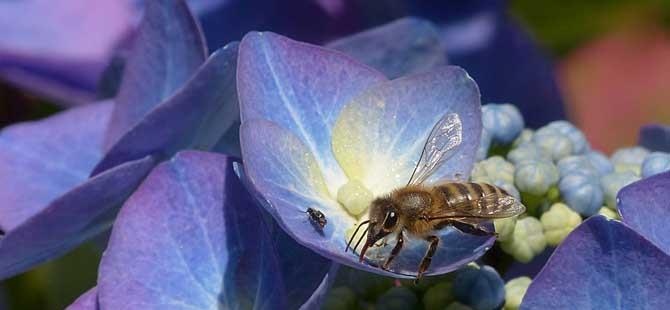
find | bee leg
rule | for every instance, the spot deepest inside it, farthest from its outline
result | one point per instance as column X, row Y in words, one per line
column 473, row 229
column 395, row 251
column 425, row 262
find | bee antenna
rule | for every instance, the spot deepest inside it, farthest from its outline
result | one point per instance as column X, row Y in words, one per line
column 361, row 238
column 355, row 232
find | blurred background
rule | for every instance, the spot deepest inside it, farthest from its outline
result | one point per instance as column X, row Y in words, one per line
column 610, row 58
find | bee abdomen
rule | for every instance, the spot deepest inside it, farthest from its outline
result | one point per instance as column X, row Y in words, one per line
column 458, row 192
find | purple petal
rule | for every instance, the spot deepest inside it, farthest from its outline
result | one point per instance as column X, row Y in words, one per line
column 59, row 51
column 198, row 115
column 602, row 264
column 42, row 160
column 406, row 46
column 191, row 237
column 87, row 301
column 644, row 207
column 73, row 218
column 284, row 172
column 168, row 49
column 379, row 135
column 655, row 137
column 300, row 87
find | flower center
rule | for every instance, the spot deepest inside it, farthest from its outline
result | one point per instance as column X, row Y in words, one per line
column 354, row 197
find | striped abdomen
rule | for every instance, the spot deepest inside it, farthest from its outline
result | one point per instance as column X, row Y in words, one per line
column 456, row 194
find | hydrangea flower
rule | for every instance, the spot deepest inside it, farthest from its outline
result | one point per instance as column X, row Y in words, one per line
column 472, row 33
column 526, row 241
column 503, row 121
column 191, row 236
column 55, row 205
column 579, row 274
column 479, row 287
column 655, row 163
column 614, row 182
column 558, row 222
column 302, row 146
column 629, row 159
column 515, row 289
column 582, row 192
column 535, row 176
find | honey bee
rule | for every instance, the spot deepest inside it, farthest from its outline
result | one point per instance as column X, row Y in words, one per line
column 317, row 218
column 419, row 210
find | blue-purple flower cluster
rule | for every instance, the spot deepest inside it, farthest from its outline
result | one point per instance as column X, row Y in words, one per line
column 327, row 128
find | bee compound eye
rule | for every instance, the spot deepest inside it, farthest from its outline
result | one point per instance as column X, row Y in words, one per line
column 391, row 220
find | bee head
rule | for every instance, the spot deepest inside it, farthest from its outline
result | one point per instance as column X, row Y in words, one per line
column 383, row 221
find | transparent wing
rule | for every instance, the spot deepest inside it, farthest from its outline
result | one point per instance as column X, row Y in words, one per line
column 490, row 206
column 442, row 143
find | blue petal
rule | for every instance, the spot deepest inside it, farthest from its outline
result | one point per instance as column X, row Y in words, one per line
column 191, row 237
column 196, row 117
column 87, row 301
column 602, row 264
column 76, row 216
column 379, row 135
column 60, row 51
column 405, row 46
column 284, row 173
column 300, row 87
column 168, row 49
column 644, row 207
column 655, row 137
column 42, row 160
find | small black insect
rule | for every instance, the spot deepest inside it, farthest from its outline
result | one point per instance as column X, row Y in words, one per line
column 317, row 217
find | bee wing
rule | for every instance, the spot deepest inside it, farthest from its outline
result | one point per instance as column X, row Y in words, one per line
column 442, row 143
column 490, row 206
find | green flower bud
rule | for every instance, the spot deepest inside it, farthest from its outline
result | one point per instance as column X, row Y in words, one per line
column 505, row 228
column 340, row 298
column 398, row 297
column 457, row 306
column 508, row 187
column 493, row 169
column 527, row 240
column 438, row 296
column 525, row 152
column 526, row 136
column 632, row 168
column 614, row 182
column 535, row 177
column 515, row 289
column 609, row 213
column 558, row 222
column 553, row 143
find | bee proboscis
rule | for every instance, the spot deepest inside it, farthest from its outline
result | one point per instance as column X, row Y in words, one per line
column 419, row 209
